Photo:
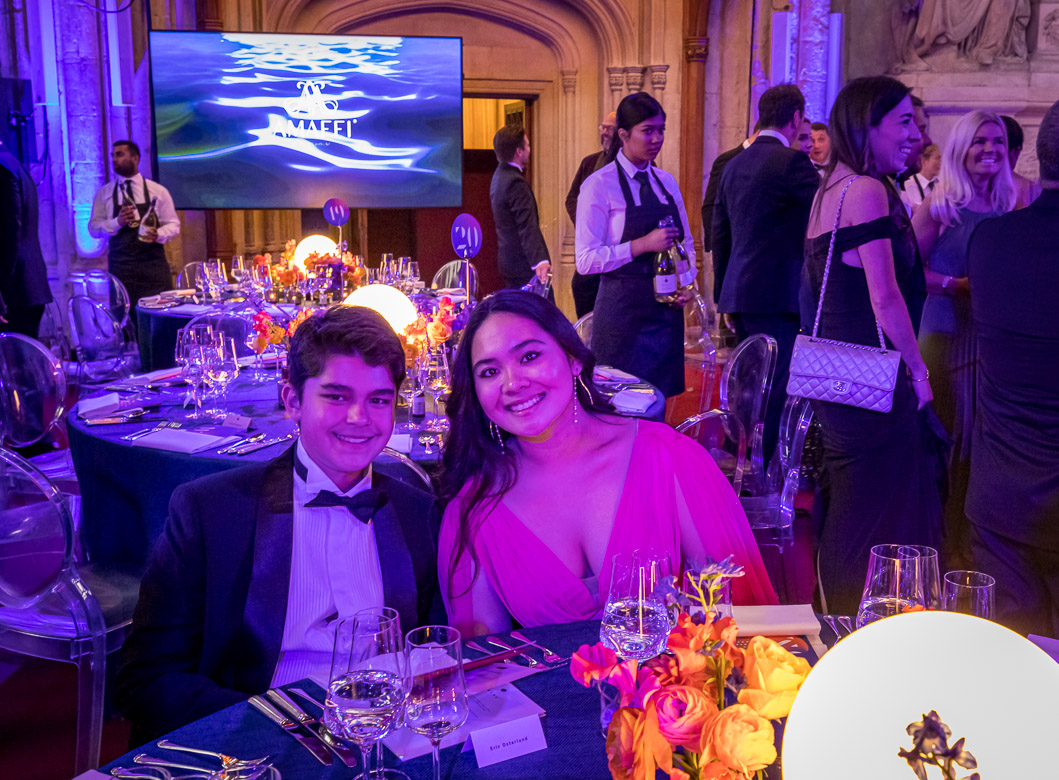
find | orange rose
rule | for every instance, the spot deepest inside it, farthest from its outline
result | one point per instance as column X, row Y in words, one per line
column 773, row 678
column 682, row 712
column 740, row 739
column 438, row 332
column 592, row 663
column 625, row 745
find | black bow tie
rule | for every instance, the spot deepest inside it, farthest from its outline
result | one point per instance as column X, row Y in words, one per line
column 363, row 505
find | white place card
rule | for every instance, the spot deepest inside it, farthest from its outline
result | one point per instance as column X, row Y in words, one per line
column 402, row 442
column 494, row 744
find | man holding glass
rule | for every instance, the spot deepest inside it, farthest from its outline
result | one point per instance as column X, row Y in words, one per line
column 257, row 565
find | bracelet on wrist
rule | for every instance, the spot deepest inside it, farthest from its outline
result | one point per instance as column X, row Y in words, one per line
column 945, row 281
column 923, row 378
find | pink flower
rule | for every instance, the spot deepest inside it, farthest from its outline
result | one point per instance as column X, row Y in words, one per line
column 682, row 713
column 636, row 685
column 592, row 663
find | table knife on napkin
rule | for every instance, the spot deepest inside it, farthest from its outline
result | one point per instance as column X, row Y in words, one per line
column 280, row 698
column 309, row 741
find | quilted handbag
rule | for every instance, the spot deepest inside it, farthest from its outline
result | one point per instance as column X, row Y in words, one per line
column 837, row 371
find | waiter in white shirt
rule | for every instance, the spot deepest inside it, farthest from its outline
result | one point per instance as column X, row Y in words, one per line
column 618, row 211
column 919, row 185
column 138, row 261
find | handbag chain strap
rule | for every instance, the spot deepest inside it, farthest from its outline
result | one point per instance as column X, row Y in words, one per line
column 827, row 269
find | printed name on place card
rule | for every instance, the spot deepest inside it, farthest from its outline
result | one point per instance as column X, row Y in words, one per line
column 494, row 744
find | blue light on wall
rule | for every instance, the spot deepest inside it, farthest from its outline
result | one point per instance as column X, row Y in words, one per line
column 87, row 245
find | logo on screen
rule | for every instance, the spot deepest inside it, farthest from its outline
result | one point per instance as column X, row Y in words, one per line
column 314, row 117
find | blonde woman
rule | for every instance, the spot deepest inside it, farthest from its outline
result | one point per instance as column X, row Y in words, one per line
column 974, row 184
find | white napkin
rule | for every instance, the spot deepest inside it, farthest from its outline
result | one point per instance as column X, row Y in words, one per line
column 610, row 374
column 176, row 440
column 776, row 620
column 402, row 442
column 161, row 375
column 631, row 400
column 99, row 407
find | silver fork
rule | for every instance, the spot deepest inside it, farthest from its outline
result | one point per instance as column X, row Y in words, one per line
column 479, row 649
column 227, row 762
column 502, row 644
column 549, row 656
column 145, row 431
column 847, row 623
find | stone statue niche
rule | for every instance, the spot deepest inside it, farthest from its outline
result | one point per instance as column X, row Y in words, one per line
column 948, row 35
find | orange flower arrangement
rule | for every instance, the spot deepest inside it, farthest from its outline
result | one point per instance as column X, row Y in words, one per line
column 270, row 333
column 691, row 712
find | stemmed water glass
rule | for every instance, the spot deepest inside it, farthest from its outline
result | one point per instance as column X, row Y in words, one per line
column 437, row 700
column 894, row 583
column 635, row 621
column 223, row 368
column 969, row 592
column 216, row 278
column 368, row 683
column 929, row 577
column 192, row 361
column 240, row 271
column 411, row 388
column 434, row 375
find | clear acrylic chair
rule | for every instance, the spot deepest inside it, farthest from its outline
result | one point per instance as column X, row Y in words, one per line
column 745, row 386
column 537, row 287
column 236, row 326
column 771, row 515
column 396, row 464
column 48, row 608
column 98, row 341
column 105, row 288
column 32, row 390
column 189, row 277
column 723, row 436
column 699, row 349
column 456, row 273
column 584, row 329
column 52, row 333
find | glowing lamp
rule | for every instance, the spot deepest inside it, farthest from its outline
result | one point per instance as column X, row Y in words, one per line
column 390, row 302
column 321, row 245
column 988, row 684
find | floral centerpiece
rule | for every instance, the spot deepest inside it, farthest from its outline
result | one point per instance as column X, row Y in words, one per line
column 704, row 709
column 434, row 328
column 270, row 333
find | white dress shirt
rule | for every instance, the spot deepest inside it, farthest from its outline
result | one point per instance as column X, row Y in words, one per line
column 334, row 571
column 103, row 223
column 601, row 216
column 774, row 134
column 916, row 188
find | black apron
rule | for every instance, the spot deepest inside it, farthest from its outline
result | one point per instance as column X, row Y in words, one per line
column 632, row 331
column 139, row 265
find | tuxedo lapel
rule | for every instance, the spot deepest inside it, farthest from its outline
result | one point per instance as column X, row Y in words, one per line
column 266, row 601
column 399, row 585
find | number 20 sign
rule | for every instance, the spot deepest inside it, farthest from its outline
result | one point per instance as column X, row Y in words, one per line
column 466, row 236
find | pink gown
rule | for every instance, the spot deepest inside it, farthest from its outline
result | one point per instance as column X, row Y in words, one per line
column 538, row 589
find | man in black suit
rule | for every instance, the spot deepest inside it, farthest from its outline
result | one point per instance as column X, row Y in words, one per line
column 257, row 565
column 709, row 199
column 759, row 227
column 24, row 290
column 1013, row 493
column 585, row 286
column 521, row 250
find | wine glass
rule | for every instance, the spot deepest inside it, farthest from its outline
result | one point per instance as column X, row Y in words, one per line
column 192, row 369
column 216, row 278
column 240, row 271
column 635, row 622
column 411, row 388
column 437, row 700
column 930, row 579
column 368, row 682
column 222, row 372
column 434, row 375
column 893, row 585
column 969, row 592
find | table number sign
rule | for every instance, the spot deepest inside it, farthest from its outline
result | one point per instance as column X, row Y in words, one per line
column 466, row 236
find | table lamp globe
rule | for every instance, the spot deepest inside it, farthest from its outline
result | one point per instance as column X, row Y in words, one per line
column 321, row 245
column 391, row 303
column 988, row 684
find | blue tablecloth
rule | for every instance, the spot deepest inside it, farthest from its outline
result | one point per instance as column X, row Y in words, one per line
column 156, row 333
column 571, row 728
column 125, row 489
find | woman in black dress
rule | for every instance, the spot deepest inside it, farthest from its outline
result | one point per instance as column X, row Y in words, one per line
column 880, row 467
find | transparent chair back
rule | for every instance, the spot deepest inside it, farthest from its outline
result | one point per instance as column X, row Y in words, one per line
column 584, row 329
column 32, row 390
column 189, row 277
column 745, row 386
column 238, row 327
column 98, row 339
column 537, row 287
column 723, row 436
column 457, row 273
column 396, row 464
column 106, row 289
column 52, row 334
column 699, row 349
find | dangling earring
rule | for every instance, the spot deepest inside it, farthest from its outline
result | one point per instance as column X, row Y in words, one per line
column 588, row 393
column 494, row 432
column 575, row 400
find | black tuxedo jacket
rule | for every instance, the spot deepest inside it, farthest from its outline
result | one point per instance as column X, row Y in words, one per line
column 23, row 275
column 520, row 243
column 209, row 624
column 709, row 201
column 759, row 227
column 589, row 165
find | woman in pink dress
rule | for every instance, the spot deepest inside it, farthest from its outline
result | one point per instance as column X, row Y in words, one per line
column 543, row 488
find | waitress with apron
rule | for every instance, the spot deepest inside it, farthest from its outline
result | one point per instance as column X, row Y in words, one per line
column 617, row 236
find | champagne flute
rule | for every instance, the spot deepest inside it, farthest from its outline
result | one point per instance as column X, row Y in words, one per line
column 969, row 592
column 893, row 585
column 437, row 699
column 368, row 681
column 436, row 384
column 635, row 622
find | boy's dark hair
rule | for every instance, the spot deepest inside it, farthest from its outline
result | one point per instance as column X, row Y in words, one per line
column 776, row 106
column 133, row 148
column 507, row 141
column 344, row 330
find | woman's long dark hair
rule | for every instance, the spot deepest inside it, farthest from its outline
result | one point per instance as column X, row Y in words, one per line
column 859, row 106
column 632, row 110
column 474, row 461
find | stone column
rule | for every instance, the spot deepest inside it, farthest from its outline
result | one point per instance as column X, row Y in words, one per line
column 567, row 112
column 615, row 80
column 657, row 74
column 693, row 117
column 813, row 21
column 634, row 75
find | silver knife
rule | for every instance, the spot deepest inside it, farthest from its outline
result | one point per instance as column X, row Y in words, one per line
column 248, row 440
column 284, row 702
column 246, row 449
column 310, row 742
